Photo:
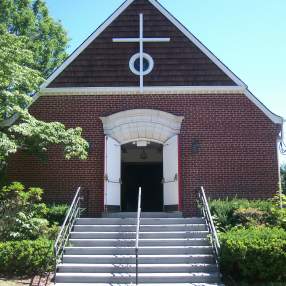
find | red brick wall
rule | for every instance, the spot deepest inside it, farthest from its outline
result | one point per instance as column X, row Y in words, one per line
column 237, row 155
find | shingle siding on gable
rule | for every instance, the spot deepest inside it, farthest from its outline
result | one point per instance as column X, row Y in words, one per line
column 106, row 64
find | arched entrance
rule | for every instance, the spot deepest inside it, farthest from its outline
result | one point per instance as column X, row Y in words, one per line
column 141, row 149
column 142, row 166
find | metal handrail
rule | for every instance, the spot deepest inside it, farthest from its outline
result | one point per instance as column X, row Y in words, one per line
column 137, row 233
column 210, row 223
column 63, row 236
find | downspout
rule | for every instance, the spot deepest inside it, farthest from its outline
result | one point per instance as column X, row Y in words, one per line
column 280, row 143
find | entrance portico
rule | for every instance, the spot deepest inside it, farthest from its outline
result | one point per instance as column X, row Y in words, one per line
column 144, row 141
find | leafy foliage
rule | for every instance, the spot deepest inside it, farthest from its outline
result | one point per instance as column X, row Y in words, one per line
column 228, row 213
column 46, row 38
column 56, row 213
column 254, row 254
column 18, row 81
column 278, row 214
column 250, row 217
column 34, row 137
column 19, row 217
column 26, row 257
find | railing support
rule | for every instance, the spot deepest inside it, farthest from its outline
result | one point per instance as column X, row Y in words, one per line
column 137, row 233
column 210, row 223
column 63, row 236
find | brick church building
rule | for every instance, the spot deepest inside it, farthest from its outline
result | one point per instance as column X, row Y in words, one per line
column 160, row 111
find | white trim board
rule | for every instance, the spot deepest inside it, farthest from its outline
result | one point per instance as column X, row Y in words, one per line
column 170, row 17
column 147, row 90
column 272, row 116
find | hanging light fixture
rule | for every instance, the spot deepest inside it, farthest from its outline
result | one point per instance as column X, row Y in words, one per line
column 143, row 155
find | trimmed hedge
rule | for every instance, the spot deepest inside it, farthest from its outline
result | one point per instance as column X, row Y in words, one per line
column 56, row 213
column 229, row 213
column 254, row 254
column 26, row 257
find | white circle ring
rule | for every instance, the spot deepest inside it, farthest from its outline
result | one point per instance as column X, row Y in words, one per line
column 137, row 56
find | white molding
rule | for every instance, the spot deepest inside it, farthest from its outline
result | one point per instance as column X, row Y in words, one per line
column 131, row 125
column 141, row 44
column 138, row 56
column 147, row 90
column 272, row 116
column 194, row 40
column 141, row 53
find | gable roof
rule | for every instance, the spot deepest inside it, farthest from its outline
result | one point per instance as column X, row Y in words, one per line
column 170, row 17
column 240, row 88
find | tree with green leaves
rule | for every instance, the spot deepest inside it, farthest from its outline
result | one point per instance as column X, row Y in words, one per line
column 46, row 37
column 22, row 70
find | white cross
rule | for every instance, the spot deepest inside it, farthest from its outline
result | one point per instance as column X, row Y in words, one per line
column 141, row 40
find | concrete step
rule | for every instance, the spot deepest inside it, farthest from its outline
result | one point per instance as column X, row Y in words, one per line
column 142, row 242
column 143, row 259
column 140, row 284
column 143, row 228
column 142, row 250
column 143, row 277
column 133, row 221
column 173, row 251
column 131, row 235
column 144, row 215
column 131, row 268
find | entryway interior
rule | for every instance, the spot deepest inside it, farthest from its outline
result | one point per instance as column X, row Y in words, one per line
column 142, row 166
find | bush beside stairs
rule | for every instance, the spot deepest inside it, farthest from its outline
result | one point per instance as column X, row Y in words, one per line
column 173, row 251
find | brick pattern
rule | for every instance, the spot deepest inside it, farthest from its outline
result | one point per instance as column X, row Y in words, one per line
column 237, row 154
column 106, row 64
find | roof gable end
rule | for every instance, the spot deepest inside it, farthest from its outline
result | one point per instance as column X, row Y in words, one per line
column 214, row 60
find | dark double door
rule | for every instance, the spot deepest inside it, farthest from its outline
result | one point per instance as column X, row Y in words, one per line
column 148, row 176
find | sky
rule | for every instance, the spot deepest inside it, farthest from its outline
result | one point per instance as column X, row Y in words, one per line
column 248, row 36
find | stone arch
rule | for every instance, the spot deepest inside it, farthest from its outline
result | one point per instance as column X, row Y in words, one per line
column 142, row 124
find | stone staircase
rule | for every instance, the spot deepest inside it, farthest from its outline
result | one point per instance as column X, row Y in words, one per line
column 173, row 251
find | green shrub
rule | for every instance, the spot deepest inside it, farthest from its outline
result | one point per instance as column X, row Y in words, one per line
column 52, row 232
column 224, row 210
column 251, row 217
column 26, row 257
column 56, row 213
column 254, row 254
column 19, row 217
column 278, row 217
column 278, row 214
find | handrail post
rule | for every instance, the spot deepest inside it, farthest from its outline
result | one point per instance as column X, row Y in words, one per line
column 210, row 223
column 62, row 238
column 137, row 233
column 136, row 255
